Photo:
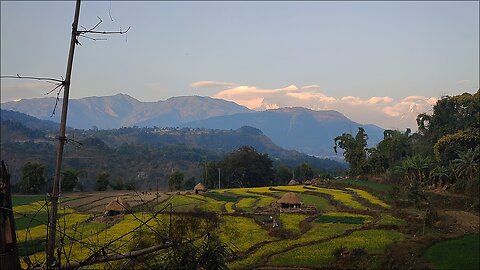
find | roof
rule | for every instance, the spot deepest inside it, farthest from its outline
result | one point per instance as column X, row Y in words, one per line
column 290, row 198
column 200, row 187
column 292, row 183
column 117, row 205
column 308, row 182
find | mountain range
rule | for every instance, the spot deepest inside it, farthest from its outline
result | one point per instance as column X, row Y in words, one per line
column 296, row 128
column 124, row 111
column 133, row 153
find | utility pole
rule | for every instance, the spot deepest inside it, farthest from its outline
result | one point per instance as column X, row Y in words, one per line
column 52, row 221
column 8, row 239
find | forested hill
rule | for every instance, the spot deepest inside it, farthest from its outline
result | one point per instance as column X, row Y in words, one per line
column 142, row 154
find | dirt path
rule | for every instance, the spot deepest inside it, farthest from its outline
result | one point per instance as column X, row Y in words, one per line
column 465, row 221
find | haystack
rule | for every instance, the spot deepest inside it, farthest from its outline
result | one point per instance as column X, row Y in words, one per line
column 289, row 200
column 199, row 188
column 292, row 183
column 116, row 207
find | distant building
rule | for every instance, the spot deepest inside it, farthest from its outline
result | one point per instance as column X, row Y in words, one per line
column 199, row 188
column 289, row 200
column 293, row 183
column 116, row 207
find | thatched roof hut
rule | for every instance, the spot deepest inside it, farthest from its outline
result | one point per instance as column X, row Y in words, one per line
column 289, row 200
column 116, row 207
column 199, row 188
column 308, row 182
column 292, row 183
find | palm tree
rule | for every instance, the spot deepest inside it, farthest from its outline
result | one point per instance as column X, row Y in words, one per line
column 416, row 170
column 466, row 165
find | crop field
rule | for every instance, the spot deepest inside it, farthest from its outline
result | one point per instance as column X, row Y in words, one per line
column 461, row 253
column 246, row 220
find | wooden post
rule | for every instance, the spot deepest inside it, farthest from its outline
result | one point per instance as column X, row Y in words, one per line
column 52, row 222
column 8, row 240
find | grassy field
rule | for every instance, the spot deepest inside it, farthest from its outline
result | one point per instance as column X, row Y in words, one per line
column 238, row 218
column 461, row 253
column 322, row 254
column 365, row 183
column 369, row 197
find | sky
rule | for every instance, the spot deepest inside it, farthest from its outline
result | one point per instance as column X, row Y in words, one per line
column 376, row 62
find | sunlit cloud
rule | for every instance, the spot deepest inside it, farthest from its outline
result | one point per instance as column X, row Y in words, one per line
column 12, row 91
column 385, row 111
column 463, row 82
column 212, row 84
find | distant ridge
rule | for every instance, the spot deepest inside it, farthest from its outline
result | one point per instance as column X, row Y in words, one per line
column 298, row 128
column 293, row 128
column 122, row 110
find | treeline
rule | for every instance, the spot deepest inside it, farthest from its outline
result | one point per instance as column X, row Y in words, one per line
column 245, row 167
column 443, row 154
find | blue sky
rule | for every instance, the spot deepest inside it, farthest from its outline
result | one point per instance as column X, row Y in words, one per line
column 321, row 55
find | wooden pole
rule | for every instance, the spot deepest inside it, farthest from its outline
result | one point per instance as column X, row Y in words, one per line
column 61, row 142
column 8, row 240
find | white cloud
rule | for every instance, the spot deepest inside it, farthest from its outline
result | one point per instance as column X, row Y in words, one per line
column 212, row 84
column 463, row 82
column 383, row 111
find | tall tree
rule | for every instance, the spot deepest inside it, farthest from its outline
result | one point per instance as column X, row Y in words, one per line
column 102, row 181
column 450, row 114
column 394, row 146
column 466, row 166
column 34, row 177
column 283, row 174
column 304, row 172
column 175, row 181
column 245, row 167
column 355, row 149
column 70, row 179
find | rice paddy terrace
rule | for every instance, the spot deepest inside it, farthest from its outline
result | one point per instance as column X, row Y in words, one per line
column 352, row 226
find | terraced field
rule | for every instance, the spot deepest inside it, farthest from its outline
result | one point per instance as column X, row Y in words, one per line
column 246, row 220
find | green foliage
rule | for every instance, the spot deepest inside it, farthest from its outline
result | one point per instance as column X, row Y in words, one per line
column 283, row 174
column 245, row 167
column 461, row 253
column 175, row 181
column 209, row 254
column 450, row 114
column 118, row 184
column 70, row 178
column 23, row 200
column 354, row 151
column 368, row 184
column 102, row 181
column 395, row 146
column 189, row 183
column 34, row 177
column 448, row 147
column 304, row 172
column 466, row 166
column 415, row 170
